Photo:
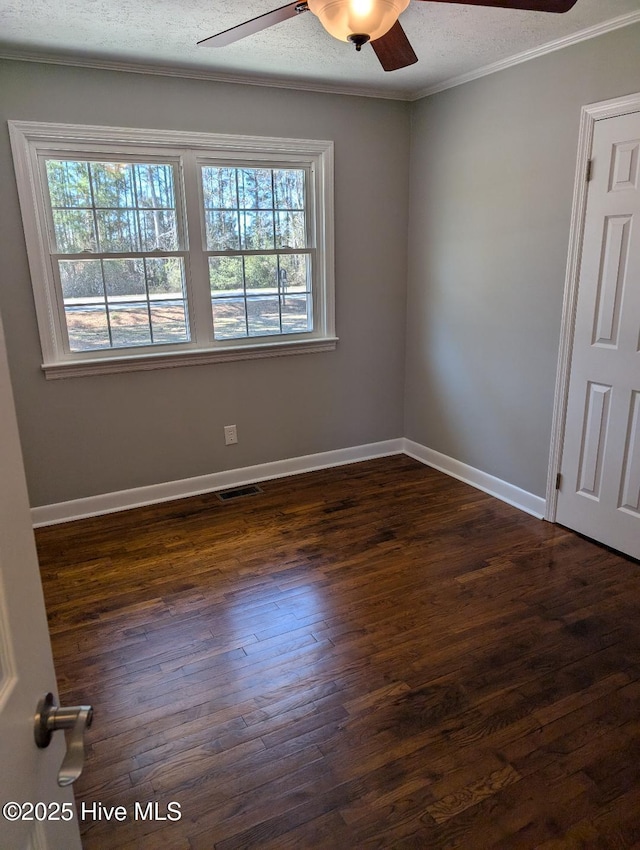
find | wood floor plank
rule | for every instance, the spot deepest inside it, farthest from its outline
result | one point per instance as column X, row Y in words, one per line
column 371, row 656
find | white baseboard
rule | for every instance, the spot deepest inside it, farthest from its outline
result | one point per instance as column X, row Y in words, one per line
column 140, row 496
column 522, row 499
column 137, row 497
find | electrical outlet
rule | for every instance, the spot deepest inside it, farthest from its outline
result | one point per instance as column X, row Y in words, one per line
column 230, row 435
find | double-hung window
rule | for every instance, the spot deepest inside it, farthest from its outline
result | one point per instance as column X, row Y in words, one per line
column 258, row 250
column 118, row 253
column 151, row 249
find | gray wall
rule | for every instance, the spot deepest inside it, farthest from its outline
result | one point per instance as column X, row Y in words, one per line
column 492, row 173
column 92, row 435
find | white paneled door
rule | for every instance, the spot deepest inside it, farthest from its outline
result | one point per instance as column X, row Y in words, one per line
column 35, row 813
column 600, row 485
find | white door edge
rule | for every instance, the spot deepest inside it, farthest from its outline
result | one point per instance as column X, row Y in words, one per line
column 589, row 115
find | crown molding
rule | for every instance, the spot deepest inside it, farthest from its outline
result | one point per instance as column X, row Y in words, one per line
column 199, row 74
column 323, row 88
column 534, row 53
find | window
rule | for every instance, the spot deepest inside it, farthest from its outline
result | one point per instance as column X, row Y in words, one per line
column 258, row 251
column 118, row 256
column 151, row 249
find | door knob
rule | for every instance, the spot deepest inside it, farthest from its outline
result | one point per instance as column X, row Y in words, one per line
column 49, row 718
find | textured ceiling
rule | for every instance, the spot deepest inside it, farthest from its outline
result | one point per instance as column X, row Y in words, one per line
column 451, row 41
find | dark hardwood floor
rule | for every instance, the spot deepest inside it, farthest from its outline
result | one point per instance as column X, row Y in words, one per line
column 374, row 656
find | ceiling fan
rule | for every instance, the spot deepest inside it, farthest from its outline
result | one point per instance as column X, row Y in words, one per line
column 360, row 21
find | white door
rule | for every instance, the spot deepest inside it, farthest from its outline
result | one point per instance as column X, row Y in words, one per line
column 600, row 484
column 27, row 774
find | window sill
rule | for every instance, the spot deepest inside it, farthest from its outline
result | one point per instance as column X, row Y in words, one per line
column 159, row 360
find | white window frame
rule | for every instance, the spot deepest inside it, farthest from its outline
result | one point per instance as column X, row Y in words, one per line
column 31, row 141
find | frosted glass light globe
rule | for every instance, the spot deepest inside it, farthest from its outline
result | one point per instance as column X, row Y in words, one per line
column 345, row 18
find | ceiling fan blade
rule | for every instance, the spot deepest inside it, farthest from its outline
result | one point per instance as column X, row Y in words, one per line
column 393, row 49
column 221, row 39
column 526, row 5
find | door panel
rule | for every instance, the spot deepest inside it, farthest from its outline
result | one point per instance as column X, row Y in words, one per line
column 630, row 499
column 612, row 280
column 600, row 492
column 594, row 439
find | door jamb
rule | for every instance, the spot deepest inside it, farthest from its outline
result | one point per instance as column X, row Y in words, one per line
column 589, row 115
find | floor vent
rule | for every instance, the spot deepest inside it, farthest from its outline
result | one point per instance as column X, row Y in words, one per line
column 239, row 492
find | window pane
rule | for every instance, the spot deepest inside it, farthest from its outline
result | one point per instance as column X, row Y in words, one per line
column 263, row 316
column 87, row 327
column 219, row 188
column 142, row 294
column 81, row 280
column 158, row 230
column 289, row 189
column 132, row 206
column 246, row 220
column 124, row 280
column 130, row 325
column 257, row 230
column 226, row 276
column 118, row 230
column 168, row 305
column 112, row 185
column 261, row 274
column 68, row 183
column 296, row 313
column 255, row 190
column 169, row 322
column 165, row 278
column 74, row 231
column 222, row 230
column 264, row 277
column 154, row 186
column 229, row 319
column 290, row 230
column 295, row 275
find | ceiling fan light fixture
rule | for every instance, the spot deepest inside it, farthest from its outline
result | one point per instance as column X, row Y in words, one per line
column 357, row 20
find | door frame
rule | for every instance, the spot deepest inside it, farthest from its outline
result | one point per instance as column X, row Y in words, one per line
column 589, row 115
